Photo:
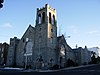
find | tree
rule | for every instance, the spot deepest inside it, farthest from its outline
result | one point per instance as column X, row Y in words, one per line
column 98, row 59
column 70, row 63
column 1, row 5
column 55, row 67
column 93, row 58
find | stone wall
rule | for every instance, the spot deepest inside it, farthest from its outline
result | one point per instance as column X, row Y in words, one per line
column 11, row 55
column 28, row 35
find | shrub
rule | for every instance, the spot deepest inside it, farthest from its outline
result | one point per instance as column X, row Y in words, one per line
column 55, row 67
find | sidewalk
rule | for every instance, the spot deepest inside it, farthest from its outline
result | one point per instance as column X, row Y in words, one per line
column 13, row 68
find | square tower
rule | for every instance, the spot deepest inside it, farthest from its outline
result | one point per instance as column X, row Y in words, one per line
column 45, row 43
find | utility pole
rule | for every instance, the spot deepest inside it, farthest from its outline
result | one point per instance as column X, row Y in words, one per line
column 60, row 30
column 76, row 46
column 66, row 37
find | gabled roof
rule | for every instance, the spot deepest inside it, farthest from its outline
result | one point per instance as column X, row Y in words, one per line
column 58, row 38
column 30, row 27
column 63, row 38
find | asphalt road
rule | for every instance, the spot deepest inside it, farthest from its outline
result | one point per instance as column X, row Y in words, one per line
column 89, row 70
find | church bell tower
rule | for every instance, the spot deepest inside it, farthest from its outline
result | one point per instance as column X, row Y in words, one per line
column 45, row 36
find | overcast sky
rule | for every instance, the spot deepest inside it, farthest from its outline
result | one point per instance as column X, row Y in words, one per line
column 78, row 18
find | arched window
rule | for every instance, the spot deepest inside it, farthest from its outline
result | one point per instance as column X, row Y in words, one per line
column 43, row 17
column 39, row 19
column 62, row 50
column 29, row 46
column 53, row 20
column 49, row 17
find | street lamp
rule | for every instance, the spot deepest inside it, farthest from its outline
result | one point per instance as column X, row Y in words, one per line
column 26, row 53
column 67, row 37
column 25, row 60
column 60, row 61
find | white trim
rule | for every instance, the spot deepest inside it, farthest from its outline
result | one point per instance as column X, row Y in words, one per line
column 27, row 54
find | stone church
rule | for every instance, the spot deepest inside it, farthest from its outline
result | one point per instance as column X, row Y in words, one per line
column 39, row 47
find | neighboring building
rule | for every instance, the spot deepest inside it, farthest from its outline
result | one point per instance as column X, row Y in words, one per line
column 83, row 56
column 39, row 47
column 96, row 50
column 3, row 53
column 11, row 56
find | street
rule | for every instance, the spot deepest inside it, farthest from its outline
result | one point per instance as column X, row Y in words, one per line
column 88, row 70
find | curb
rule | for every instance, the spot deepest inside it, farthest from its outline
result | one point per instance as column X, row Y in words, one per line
column 77, row 67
